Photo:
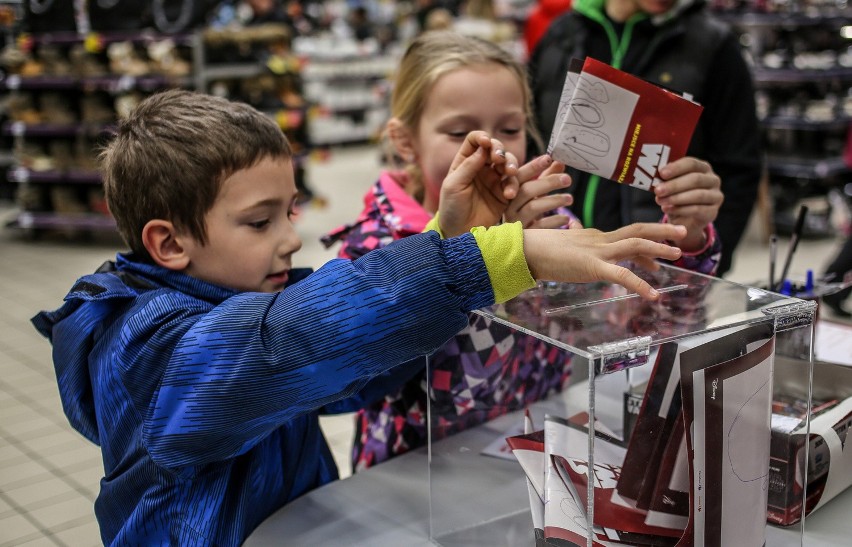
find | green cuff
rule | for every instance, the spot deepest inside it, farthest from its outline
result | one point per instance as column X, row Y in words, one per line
column 502, row 248
column 433, row 225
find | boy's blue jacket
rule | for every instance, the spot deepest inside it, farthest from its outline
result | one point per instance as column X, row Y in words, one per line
column 205, row 402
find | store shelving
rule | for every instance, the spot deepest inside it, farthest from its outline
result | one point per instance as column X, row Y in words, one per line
column 801, row 58
column 64, row 99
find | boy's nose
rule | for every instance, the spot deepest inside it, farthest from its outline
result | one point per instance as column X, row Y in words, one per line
column 290, row 242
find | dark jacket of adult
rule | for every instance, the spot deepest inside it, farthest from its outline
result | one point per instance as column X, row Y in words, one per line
column 685, row 50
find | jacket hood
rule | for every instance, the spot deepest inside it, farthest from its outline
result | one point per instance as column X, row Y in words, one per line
column 593, row 9
column 76, row 327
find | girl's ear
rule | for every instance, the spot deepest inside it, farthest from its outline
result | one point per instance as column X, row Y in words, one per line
column 164, row 245
column 402, row 140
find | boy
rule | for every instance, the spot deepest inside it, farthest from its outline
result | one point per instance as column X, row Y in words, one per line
column 200, row 360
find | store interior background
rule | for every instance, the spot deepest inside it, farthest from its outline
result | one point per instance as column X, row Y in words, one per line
column 48, row 473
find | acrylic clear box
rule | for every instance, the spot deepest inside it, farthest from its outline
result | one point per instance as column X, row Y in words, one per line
column 669, row 407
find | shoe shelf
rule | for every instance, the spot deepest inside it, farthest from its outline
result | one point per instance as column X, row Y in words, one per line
column 256, row 65
column 807, row 168
column 23, row 175
column 64, row 94
column 62, row 221
column 801, row 62
column 767, row 77
column 347, row 84
column 838, row 123
column 44, row 129
column 791, row 15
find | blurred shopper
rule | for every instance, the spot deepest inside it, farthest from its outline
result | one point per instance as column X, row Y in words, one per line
column 540, row 17
column 679, row 45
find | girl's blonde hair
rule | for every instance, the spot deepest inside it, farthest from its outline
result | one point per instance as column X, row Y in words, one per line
column 434, row 54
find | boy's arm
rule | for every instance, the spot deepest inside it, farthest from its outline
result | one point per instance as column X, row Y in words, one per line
column 377, row 387
column 279, row 356
column 258, row 360
column 516, row 257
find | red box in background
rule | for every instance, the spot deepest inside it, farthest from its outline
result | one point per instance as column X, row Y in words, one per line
column 827, row 462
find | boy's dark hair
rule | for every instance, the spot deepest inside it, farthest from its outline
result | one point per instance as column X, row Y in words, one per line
column 170, row 155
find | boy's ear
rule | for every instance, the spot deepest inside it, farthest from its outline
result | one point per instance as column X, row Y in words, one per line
column 163, row 244
column 402, row 140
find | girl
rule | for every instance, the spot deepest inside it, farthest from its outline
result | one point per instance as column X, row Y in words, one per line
column 446, row 86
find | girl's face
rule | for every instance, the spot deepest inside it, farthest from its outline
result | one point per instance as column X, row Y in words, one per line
column 655, row 7
column 486, row 97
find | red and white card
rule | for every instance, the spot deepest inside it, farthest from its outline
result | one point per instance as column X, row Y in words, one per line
column 618, row 126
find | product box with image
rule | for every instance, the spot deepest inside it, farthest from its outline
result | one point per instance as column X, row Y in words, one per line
column 829, row 457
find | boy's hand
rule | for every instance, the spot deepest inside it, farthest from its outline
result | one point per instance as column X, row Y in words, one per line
column 538, row 178
column 691, row 196
column 479, row 185
column 583, row 255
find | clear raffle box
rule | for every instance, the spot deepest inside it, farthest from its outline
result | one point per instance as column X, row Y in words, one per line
column 580, row 414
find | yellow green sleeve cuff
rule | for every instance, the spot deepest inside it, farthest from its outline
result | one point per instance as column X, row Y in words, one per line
column 433, row 225
column 502, row 249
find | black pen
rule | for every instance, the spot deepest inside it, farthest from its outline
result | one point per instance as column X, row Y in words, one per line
column 794, row 241
column 773, row 255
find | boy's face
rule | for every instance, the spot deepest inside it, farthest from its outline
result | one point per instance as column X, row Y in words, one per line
column 485, row 97
column 250, row 235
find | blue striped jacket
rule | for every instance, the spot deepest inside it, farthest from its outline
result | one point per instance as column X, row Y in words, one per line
column 205, row 402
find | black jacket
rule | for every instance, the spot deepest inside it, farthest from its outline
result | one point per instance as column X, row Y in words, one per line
column 686, row 51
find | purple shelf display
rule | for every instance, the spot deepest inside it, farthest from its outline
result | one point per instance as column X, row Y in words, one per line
column 72, row 176
column 70, row 38
column 84, row 221
column 111, row 84
column 21, row 129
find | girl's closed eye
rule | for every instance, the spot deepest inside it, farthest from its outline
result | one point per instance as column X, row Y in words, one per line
column 460, row 135
column 260, row 224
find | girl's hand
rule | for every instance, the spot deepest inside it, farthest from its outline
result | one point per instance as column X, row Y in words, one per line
column 481, row 182
column 690, row 196
column 538, row 179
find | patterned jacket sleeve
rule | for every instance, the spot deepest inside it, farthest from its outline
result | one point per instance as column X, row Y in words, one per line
column 706, row 260
column 277, row 356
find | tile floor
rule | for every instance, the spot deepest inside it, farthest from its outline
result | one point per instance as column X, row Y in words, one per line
column 48, row 473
